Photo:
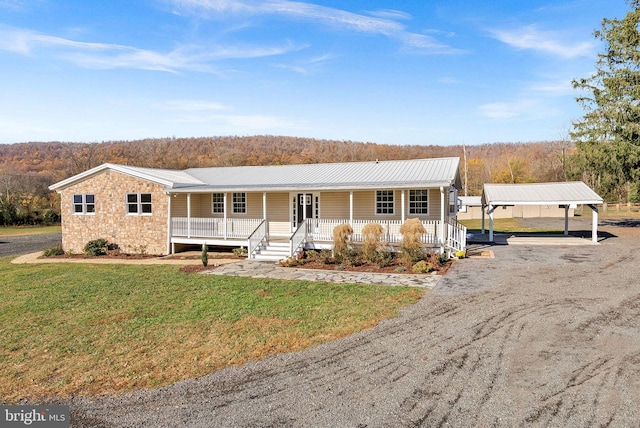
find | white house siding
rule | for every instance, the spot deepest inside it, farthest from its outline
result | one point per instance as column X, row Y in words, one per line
column 277, row 207
column 335, row 205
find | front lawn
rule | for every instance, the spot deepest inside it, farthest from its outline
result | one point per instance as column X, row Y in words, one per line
column 28, row 230
column 88, row 329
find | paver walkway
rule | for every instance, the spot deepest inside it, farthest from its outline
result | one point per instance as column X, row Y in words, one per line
column 262, row 269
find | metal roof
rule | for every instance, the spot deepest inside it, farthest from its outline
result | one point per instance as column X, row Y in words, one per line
column 349, row 175
column 413, row 173
column 570, row 192
column 166, row 177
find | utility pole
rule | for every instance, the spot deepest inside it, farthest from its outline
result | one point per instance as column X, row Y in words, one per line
column 464, row 154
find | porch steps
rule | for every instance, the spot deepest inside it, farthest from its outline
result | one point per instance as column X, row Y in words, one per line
column 273, row 251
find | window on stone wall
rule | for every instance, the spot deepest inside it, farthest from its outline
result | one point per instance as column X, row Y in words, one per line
column 84, row 204
column 139, row 203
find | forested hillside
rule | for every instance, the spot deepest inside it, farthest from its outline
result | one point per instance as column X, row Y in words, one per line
column 27, row 169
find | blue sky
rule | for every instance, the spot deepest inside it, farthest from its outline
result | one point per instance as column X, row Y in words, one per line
column 426, row 72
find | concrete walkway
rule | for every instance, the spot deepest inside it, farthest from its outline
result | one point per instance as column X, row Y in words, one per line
column 262, row 269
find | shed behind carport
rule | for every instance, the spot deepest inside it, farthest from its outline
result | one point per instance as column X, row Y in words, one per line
column 564, row 194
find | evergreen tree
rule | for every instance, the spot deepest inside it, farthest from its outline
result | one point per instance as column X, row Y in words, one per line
column 608, row 136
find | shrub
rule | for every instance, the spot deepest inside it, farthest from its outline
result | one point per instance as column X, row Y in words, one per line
column 412, row 247
column 372, row 241
column 289, row 261
column 322, row 256
column 341, row 236
column 56, row 250
column 205, row 256
column 386, row 257
column 461, row 254
column 240, row 252
column 97, row 247
column 443, row 258
column 422, row 267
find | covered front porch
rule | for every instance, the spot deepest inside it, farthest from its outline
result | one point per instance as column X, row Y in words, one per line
column 310, row 234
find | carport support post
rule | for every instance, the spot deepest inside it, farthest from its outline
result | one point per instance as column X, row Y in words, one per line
column 490, row 212
column 566, row 220
column 594, row 223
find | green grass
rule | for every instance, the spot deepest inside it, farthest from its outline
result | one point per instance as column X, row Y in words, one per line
column 28, row 230
column 510, row 225
column 87, row 329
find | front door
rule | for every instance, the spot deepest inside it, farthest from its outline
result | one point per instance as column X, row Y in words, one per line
column 305, row 207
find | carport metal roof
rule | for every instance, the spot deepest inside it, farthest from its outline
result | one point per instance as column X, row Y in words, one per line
column 565, row 194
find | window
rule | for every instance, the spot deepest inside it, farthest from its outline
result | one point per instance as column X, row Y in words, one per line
column 218, row 203
column 138, row 203
column 240, row 203
column 453, row 201
column 419, row 201
column 84, row 204
column 384, row 202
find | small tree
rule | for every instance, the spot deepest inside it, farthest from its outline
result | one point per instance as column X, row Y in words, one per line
column 205, row 255
column 412, row 247
column 341, row 236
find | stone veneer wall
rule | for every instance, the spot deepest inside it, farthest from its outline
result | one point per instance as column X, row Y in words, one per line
column 132, row 233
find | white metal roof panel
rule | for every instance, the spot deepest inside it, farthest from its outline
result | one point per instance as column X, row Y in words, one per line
column 416, row 172
column 539, row 194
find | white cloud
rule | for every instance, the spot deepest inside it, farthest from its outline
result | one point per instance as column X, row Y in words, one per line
column 383, row 23
column 506, row 110
column 551, row 42
column 110, row 56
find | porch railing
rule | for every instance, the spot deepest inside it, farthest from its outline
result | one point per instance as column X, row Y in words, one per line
column 204, row 227
column 256, row 238
column 322, row 230
column 457, row 235
column 298, row 238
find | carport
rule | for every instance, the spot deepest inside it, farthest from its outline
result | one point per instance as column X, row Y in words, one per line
column 562, row 194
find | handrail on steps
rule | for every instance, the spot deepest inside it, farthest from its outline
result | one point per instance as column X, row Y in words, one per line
column 298, row 238
column 261, row 232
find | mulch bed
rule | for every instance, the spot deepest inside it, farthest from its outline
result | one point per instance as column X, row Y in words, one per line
column 367, row 267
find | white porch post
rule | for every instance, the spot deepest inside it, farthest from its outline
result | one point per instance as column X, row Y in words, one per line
column 402, row 202
column 169, row 224
column 442, row 229
column 264, row 205
column 351, row 208
column 264, row 211
column 566, row 220
column 188, row 215
column 224, row 214
column 594, row 223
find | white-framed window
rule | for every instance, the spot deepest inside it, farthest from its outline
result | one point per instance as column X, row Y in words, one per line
column 217, row 203
column 240, row 203
column 384, row 202
column 139, row 203
column 419, row 201
column 84, row 204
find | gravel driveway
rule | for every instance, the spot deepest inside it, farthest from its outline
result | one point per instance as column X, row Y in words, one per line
column 25, row 244
column 541, row 336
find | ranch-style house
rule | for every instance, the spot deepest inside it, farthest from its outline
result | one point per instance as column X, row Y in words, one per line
column 273, row 211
